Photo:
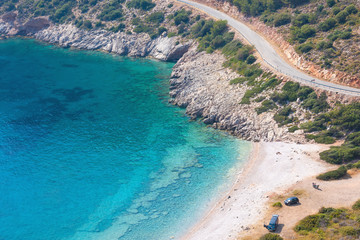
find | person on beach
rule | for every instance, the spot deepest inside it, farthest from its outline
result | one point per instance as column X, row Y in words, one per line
column 315, row 186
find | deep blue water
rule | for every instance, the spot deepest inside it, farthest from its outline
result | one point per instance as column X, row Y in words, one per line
column 90, row 148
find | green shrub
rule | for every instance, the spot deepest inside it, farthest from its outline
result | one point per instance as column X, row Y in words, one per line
column 243, row 53
column 336, row 10
column 342, row 16
column 354, row 138
column 328, row 210
column 93, row 2
column 324, row 45
column 282, row 19
column 340, row 154
column 171, row 34
column 118, row 28
column 249, row 94
column 10, row 7
column 266, row 106
column 347, row 117
column 313, row 126
column 277, row 204
column 309, row 223
column 316, row 104
column 304, row 92
column 334, row 132
column 356, row 165
column 282, row 116
column 259, row 99
column 303, row 33
column 320, row 138
column 161, row 30
column 319, row 9
column 156, row 17
column 61, row 13
column 87, row 24
column 280, row 98
column 293, row 129
column 301, row 19
column 333, row 175
column 325, row 140
column 111, row 11
column 211, row 34
column 181, row 16
column 142, row 28
column 327, row 24
column 271, row 236
column 239, row 80
column 289, row 93
column 330, row 3
column 145, row 5
column 348, row 231
column 271, row 83
column 99, row 24
column 250, row 59
column 345, row 35
column 351, row 9
column 304, row 48
column 231, row 48
column 291, row 86
column 356, row 205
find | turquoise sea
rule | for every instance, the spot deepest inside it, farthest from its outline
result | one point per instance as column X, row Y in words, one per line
column 91, row 149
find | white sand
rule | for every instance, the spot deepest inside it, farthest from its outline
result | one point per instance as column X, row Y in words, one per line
column 273, row 167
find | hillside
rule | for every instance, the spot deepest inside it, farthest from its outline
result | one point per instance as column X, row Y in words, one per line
column 324, row 32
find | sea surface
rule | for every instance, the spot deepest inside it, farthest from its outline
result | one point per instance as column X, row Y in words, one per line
column 91, row 149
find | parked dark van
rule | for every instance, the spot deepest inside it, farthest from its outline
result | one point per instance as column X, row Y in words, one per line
column 274, row 222
column 291, row 201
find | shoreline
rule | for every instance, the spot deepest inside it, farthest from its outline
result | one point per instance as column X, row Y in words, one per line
column 237, row 180
column 246, row 203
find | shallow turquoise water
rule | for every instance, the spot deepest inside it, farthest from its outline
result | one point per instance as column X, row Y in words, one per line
column 90, row 148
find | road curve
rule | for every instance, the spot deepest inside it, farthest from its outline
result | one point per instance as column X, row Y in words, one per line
column 269, row 54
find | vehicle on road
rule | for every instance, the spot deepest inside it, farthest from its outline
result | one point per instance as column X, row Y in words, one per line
column 291, row 201
column 273, row 224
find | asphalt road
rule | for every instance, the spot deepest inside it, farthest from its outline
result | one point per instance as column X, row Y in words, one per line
column 269, row 54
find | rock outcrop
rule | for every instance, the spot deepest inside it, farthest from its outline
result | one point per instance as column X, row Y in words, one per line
column 134, row 45
column 200, row 84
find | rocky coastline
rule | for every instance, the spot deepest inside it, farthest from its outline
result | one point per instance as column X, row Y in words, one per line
column 67, row 35
column 198, row 82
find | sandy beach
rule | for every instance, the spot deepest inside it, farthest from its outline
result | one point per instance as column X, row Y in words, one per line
column 271, row 170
